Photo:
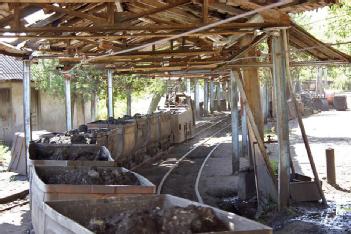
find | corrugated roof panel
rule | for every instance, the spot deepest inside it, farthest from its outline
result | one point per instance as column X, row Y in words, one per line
column 10, row 68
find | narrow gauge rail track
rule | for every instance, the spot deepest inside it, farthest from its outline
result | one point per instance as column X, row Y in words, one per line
column 183, row 176
column 156, row 170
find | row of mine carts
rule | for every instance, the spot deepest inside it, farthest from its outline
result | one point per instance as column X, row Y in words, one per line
column 79, row 181
column 131, row 141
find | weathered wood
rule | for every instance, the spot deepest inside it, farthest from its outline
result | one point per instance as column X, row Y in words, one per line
column 205, row 11
column 279, row 80
column 235, row 122
column 255, row 130
column 74, row 13
column 26, row 107
column 302, row 129
column 252, row 86
column 68, row 104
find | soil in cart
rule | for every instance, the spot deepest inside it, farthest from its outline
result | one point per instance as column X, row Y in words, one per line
column 87, row 176
column 186, row 220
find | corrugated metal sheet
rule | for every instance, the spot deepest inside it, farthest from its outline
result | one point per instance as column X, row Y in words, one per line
column 10, row 68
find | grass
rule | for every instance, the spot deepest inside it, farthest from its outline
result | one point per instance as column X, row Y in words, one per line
column 5, row 155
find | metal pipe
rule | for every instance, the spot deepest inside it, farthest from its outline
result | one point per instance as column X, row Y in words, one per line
column 280, row 82
column 235, row 123
column 68, row 104
column 110, row 93
column 205, row 97
column 26, row 107
column 211, row 96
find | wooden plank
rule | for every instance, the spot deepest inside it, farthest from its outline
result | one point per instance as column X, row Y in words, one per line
column 152, row 11
column 302, row 128
column 256, row 131
column 76, row 13
column 282, row 125
column 151, row 28
column 205, row 11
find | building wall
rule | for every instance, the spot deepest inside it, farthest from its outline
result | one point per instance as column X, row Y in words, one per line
column 51, row 112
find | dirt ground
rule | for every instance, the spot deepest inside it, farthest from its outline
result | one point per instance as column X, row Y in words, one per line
column 330, row 129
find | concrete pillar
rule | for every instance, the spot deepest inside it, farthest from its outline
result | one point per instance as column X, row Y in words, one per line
column 26, row 107
column 279, row 48
column 205, row 97
column 211, row 96
column 129, row 102
column 188, row 87
column 196, row 99
column 235, row 123
column 68, row 104
column 110, row 93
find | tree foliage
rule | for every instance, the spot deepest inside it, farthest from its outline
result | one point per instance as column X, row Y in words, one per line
column 330, row 25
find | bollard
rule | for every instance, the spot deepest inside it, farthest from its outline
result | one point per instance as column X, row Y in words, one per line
column 329, row 153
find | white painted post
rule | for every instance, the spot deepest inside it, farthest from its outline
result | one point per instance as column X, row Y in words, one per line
column 196, row 99
column 26, row 107
column 110, row 93
column 211, row 96
column 188, row 87
column 235, row 123
column 280, row 81
column 68, row 104
column 205, row 97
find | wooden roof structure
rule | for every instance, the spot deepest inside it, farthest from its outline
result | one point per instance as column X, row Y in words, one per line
column 122, row 34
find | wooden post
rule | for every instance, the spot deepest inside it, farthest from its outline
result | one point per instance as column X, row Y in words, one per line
column 302, row 126
column 280, row 79
column 129, row 102
column 218, row 95
column 252, row 86
column 188, row 87
column 68, row 104
column 205, row 97
column 26, row 107
column 211, row 96
column 196, row 99
column 245, row 136
column 331, row 178
column 235, row 123
column 110, row 93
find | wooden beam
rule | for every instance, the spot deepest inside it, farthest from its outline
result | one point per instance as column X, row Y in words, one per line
column 78, row 14
column 151, row 11
column 205, row 11
column 124, row 36
column 150, row 28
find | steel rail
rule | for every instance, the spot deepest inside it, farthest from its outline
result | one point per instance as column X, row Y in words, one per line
column 175, row 165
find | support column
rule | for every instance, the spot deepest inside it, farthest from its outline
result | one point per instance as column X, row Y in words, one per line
column 211, row 96
column 110, row 93
column 188, row 87
column 68, row 104
column 280, row 81
column 26, row 107
column 196, row 99
column 129, row 102
column 235, row 123
column 252, row 86
column 245, row 136
column 205, row 97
